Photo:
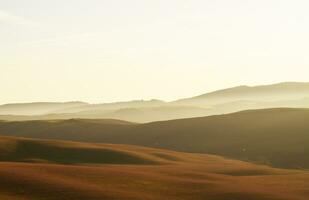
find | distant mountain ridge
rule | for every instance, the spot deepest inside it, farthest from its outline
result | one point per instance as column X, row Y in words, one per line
column 274, row 92
column 37, row 108
column 42, row 108
column 285, row 95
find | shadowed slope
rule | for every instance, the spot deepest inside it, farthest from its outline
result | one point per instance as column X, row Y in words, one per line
column 278, row 137
column 50, row 151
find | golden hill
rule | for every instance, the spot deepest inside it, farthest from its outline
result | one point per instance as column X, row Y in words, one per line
column 135, row 173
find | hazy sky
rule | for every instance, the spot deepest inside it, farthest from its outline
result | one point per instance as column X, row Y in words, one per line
column 112, row 50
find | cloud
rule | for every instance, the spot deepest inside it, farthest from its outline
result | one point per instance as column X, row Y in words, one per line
column 8, row 18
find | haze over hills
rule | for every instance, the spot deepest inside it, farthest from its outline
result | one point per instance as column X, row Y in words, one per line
column 38, row 108
column 77, row 150
column 154, row 100
column 289, row 94
column 272, row 93
column 278, row 137
column 41, row 108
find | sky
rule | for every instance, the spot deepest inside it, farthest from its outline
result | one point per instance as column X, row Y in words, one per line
column 104, row 51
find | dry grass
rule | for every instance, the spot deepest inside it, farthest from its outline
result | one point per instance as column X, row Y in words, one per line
column 167, row 175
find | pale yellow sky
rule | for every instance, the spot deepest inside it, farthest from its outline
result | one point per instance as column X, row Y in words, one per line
column 103, row 51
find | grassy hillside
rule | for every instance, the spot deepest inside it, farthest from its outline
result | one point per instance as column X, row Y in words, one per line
column 34, row 173
column 213, row 180
column 61, row 152
column 278, row 137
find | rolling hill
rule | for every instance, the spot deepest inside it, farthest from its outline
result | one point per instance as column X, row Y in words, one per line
column 278, row 137
column 64, row 152
column 30, row 170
